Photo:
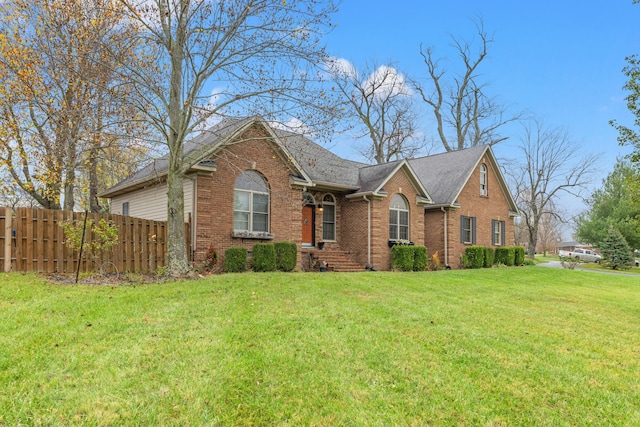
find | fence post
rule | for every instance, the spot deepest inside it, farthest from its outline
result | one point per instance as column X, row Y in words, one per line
column 8, row 238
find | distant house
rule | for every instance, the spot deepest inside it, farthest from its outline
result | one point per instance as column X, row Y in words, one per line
column 248, row 182
column 572, row 245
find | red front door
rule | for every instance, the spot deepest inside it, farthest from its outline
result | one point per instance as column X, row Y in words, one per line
column 307, row 225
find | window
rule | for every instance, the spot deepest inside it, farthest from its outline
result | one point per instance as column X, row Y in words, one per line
column 251, row 203
column 483, row 180
column 468, row 229
column 398, row 218
column 328, row 217
column 497, row 232
column 125, row 209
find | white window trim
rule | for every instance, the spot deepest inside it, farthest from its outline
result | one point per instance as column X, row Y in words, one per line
column 484, row 180
column 329, row 203
column 397, row 218
column 251, row 211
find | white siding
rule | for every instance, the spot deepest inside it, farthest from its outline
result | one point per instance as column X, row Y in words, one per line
column 151, row 202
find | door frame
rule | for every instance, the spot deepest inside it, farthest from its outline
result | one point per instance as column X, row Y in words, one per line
column 313, row 226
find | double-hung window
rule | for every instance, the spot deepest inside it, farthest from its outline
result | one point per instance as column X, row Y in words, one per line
column 251, row 203
column 328, row 217
column 483, row 180
column 467, row 229
column 497, row 232
column 398, row 218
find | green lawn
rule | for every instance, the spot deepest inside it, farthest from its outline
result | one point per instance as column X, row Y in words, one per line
column 503, row 346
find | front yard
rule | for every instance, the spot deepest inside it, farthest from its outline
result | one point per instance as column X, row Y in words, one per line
column 502, row 346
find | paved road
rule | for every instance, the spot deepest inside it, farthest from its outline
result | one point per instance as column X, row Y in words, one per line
column 557, row 264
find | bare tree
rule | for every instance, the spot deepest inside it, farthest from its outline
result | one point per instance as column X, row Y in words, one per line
column 383, row 110
column 465, row 115
column 551, row 163
column 203, row 59
column 549, row 232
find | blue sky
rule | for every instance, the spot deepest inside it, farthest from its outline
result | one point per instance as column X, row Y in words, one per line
column 560, row 60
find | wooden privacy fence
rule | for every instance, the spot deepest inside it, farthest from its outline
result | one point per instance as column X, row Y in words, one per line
column 32, row 239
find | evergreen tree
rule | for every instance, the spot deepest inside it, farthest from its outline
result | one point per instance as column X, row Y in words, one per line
column 615, row 251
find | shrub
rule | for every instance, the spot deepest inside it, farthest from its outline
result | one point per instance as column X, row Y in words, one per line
column 475, row 256
column 402, row 257
column 519, row 255
column 615, row 251
column 489, row 256
column 286, row 255
column 569, row 262
column 264, row 257
column 464, row 261
column 505, row 255
column 235, row 260
column 419, row 258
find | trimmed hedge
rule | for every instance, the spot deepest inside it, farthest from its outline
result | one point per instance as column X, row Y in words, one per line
column 286, row 255
column 263, row 257
column 489, row 256
column 505, row 255
column 519, row 256
column 402, row 257
column 235, row 260
column 419, row 258
column 474, row 256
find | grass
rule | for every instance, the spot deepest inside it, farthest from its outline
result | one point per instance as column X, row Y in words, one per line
column 503, row 346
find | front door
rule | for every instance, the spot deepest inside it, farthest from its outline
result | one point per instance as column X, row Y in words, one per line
column 308, row 217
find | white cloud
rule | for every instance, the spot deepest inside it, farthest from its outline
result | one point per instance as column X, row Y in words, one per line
column 387, row 81
column 340, row 67
column 292, row 125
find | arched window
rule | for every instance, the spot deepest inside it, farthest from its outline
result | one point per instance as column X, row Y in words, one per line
column 251, row 203
column 398, row 218
column 308, row 200
column 328, row 217
column 483, row 180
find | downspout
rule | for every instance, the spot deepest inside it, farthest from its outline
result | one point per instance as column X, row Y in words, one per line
column 368, row 232
column 446, row 238
column 194, row 210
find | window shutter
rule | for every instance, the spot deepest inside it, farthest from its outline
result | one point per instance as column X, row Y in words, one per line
column 503, row 230
column 461, row 229
column 473, row 230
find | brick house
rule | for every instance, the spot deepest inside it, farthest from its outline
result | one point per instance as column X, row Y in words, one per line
column 248, row 182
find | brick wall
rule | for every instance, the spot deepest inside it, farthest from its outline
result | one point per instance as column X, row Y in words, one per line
column 214, row 204
column 353, row 230
column 484, row 208
column 353, row 236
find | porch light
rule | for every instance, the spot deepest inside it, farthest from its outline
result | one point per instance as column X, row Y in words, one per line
column 319, row 208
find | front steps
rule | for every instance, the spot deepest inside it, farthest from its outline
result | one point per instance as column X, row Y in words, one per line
column 336, row 260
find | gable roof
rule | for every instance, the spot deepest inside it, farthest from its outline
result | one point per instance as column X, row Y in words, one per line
column 311, row 164
column 446, row 174
column 194, row 152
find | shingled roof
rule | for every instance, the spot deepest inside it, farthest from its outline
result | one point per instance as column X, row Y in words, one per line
column 446, row 174
column 442, row 175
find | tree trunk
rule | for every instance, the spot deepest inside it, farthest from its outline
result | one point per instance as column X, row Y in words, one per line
column 94, row 204
column 533, row 242
column 178, row 263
